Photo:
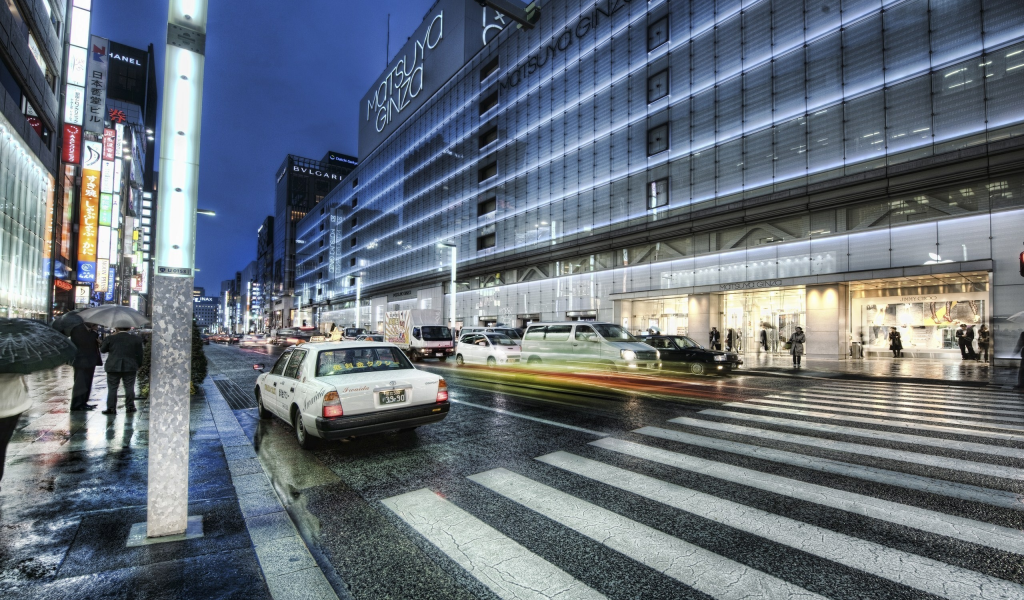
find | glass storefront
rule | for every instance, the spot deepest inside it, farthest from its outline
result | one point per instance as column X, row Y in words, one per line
column 669, row 315
column 775, row 312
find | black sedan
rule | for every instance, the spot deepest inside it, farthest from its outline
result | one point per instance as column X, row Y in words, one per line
column 679, row 352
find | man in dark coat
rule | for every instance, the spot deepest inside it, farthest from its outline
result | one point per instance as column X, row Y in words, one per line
column 87, row 358
column 123, row 361
column 961, row 340
column 715, row 339
column 969, row 343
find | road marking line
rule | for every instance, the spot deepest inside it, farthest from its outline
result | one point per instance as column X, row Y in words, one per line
column 529, row 418
column 874, row 434
column 942, row 462
column 907, row 569
column 900, row 424
column 908, row 388
column 505, row 567
column 968, row 530
column 1000, row 408
column 872, row 412
column 896, row 407
column 692, row 565
column 952, row 489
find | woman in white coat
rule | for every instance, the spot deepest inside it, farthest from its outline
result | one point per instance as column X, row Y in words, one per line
column 14, row 400
column 796, row 345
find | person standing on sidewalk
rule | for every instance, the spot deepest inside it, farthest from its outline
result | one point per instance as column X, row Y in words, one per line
column 87, row 358
column 14, row 400
column 969, row 343
column 984, row 341
column 895, row 343
column 715, row 339
column 796, row 345
column 123, row 362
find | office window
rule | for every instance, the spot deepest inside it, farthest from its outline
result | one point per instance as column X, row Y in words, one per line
column 657, row 140
column 486, row 207
column 351, row 281
column 353, row 242
column 489, row 68
column 657, row 193
column 355, row 221
column 352, row 262
column 657, row 86
column 485, row 241
column 321, row 243
column 488, row 102
column 657, row 33
column 355, row 182
column 488, row 136
column 321, row 227
column 487, row 172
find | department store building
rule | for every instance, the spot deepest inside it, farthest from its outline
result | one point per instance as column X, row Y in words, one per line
column 843, row 166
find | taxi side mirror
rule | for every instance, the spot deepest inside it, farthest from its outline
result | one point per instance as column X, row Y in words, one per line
column 258, row 367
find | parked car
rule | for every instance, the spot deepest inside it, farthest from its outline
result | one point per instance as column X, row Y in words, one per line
column 352, row 333
column 491, row 349
column 371, row 337
column 586, row 342
column 334, row 390
column 679, row 352
column 515, row 334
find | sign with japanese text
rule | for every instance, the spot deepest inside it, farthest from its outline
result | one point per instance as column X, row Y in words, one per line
column 106, row 207
column 115, row 211
column 82, row 294
column 102, row 246
column 110, row 285
column 96, row 93
column 109, row 144
column 102, row 275
column 72, row 144
column 74, row 105
column 78, row 59
column 89, row 212
column 107, row 177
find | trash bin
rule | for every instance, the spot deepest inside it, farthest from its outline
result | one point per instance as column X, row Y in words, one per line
column 856, row 350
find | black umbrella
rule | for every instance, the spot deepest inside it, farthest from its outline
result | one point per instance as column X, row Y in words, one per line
column 68, row 321
column 28, row 346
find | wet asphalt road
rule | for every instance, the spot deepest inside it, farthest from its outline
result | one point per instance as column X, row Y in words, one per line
column 737, row 487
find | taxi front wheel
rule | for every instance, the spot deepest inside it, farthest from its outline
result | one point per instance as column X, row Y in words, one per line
column 263, row 412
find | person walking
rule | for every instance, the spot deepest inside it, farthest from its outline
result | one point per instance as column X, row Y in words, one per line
column 123, row 362
column 895, row 343
column 730, row 340
column 984, row 341
column 969, row 343
column 961, row 340
column 14, row 400
column 796, row 345
column 87, row 358
column 764, row 339
column 715, row 339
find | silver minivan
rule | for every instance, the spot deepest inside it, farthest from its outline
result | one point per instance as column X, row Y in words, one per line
column 586, row 342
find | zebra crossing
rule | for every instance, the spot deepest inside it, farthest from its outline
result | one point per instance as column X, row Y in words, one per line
column 806, row 476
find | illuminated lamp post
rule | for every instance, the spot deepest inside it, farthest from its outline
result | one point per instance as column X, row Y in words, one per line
column 452, row 247
column 167, row 501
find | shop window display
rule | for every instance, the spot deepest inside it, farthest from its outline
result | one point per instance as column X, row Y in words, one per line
column 926, row 326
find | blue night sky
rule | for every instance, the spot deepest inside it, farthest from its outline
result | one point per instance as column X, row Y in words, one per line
column 277, row 82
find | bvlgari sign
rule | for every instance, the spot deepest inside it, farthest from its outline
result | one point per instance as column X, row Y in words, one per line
column 450, row 34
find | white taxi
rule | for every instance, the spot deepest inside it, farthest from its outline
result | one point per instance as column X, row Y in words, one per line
column 334, row 390
column 490, row 348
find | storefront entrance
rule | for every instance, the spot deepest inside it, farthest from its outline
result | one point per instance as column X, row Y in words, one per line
column 669, row 315
column 777, row 313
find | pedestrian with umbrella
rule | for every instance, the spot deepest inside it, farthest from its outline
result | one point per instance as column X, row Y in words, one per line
column 25, row 347
column 87, row 358
column 124, row 351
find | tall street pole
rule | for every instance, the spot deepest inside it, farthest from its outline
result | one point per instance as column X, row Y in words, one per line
column 167, row 507
column 451, row 246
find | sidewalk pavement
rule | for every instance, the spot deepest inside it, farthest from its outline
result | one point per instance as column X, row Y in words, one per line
column 76, row 482
column 923, row 370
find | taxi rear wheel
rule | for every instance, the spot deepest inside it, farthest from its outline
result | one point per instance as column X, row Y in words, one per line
column 306, row 441
column 263, row 412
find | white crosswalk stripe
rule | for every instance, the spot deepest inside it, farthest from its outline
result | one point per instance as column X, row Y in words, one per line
column 918, row 572
column 942, row 462
column 508, row 569
column 881, row 413
column 997, row 409
column 942, row 487
column 700, row 569
column 920, row 440
column 901, row 407
column 899, row 424
column 968, row 530
column 903, row 388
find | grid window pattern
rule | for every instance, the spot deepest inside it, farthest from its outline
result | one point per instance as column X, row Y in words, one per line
column 766, row 95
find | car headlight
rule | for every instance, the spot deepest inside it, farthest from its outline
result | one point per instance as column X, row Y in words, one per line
column 627, row 354
column 721, row 358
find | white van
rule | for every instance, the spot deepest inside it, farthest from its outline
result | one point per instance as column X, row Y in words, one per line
column 586, row 342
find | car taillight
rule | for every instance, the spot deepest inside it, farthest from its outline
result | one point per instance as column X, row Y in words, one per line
column 332, row 405
column 442, row 391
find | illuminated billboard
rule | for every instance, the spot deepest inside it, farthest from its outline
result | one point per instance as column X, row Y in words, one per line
column 89, row 212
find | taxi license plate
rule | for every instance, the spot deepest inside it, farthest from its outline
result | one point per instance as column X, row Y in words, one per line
column 392, row 397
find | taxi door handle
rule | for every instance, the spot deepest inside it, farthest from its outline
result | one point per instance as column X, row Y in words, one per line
column 275, row 384
column 293, row 389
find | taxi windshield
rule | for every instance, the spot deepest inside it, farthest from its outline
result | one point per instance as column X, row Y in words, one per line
column 346, row 361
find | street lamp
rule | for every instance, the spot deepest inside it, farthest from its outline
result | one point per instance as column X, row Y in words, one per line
column 452, row 247
column 206, row 211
